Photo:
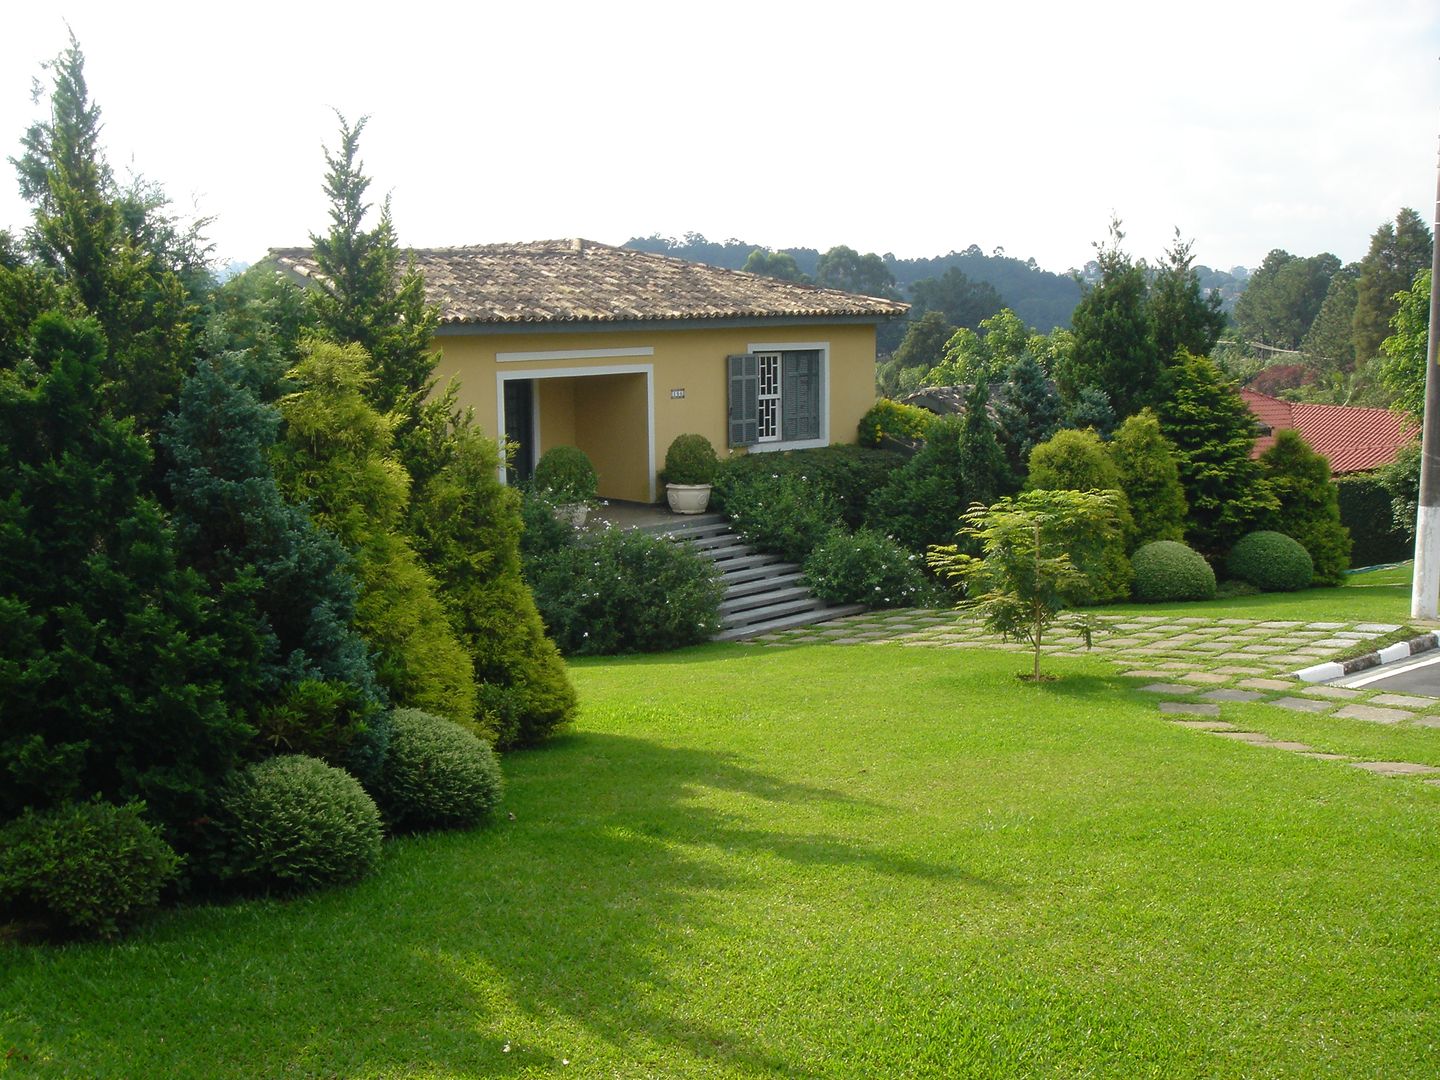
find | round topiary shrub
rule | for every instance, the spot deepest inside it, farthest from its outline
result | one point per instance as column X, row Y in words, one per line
column 1169, row 570
column 292, row 823
column 1271, row 561
column 437, row 774
column 690, row 460
column 865, row 567
column 566, row 475
column 85, row 868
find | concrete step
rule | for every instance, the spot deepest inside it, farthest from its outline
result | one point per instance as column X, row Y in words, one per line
column 740, row 563
column 734, row 606
column 768, row 611
column 760, row 571
column 687, row 523
column 789, row 622
column 761, row 583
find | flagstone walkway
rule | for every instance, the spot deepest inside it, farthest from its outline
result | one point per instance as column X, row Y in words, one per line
column 1195, row 663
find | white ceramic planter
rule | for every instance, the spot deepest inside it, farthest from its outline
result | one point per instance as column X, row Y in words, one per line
column 573, row 513
column 687, row 498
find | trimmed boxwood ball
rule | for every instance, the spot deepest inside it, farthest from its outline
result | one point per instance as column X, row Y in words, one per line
column 1169, row 570
column 691, row 460
column 292, row 823
column 565, row 472
column 437, row 774
column 86, row 868
column 1271, row 561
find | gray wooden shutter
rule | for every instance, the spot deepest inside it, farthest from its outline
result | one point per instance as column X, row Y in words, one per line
column 800, row 395
column 744, row 391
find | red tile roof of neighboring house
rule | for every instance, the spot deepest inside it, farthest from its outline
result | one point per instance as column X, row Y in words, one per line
column 1352, row 439
column 580, row 281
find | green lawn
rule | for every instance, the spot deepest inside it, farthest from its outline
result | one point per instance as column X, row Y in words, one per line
column 850, row 861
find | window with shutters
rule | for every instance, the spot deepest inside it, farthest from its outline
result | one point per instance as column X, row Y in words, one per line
column 776, row 397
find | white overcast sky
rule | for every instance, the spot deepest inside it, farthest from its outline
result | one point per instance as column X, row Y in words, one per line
column 914, row 128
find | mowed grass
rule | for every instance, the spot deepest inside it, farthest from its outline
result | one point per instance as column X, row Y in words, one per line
column 824, row 861
column 1374, row 596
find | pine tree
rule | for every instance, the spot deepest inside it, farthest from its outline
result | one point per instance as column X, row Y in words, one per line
column 108, row 661
column 292, row 664
column 1115, row 348
column 1149, row 475
column 983, row 469
column 1308, row 505
column 1213, row 432
column 1181, row 316
column 1028, row 412
column 467, row 527
column 338, row 459
column 1397, row 253
column 133, row 268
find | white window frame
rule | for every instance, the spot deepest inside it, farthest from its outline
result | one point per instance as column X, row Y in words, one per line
column 823, row 347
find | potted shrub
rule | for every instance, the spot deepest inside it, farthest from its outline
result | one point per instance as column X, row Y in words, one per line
column 565, row 477
column 690, row 466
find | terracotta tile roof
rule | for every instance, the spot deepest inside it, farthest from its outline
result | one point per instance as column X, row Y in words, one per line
column 580, row 281
column 1352, row 439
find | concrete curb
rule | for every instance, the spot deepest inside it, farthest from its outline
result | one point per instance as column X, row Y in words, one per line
column 1399, row 651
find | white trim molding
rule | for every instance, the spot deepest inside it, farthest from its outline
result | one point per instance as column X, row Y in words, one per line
column 648, row 370
column 796, row 346
column 573, row 354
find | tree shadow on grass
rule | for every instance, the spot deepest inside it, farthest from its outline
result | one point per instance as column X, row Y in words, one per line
column 576, row 930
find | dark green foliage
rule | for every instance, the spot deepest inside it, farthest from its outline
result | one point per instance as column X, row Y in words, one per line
column 960, row 300
column 1402, row 367
column 847, row 475
column 1271, row 561
column 1283, row 298
column 889, row 423
column 623, row 591
column 1329, row 344
column 1027, row 411
column 1090, row 408
column 292, row 665
column 1115, row 346
column 845, row 268
column 1213, row 432
column 865, row 567
column 338, row 458
column 369, row 300
column 1401, row 479
column 467, row 527
column 1366, row 510
column 87, row 868
column 1397, row 253
column 1308, row 505
column 1181, row 316
column 108, row 663
column 437, row 775
column 127, row 263
column 775, row 264
column 922, row 502
column 543, row 530
column 264, row 318
column 1168, row 570
column 922, row 348
column 982, row 460
column 25, row 294
column 1149, row 476
column 293, row 823
column 785, row 513
column 690, row 460
column 564, row 474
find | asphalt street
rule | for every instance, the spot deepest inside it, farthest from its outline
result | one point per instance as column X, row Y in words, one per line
column 1413, row 675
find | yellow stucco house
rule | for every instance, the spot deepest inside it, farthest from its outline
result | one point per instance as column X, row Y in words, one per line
column 618, row 351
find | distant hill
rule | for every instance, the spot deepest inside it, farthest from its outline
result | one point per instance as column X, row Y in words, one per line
column 1044, row 300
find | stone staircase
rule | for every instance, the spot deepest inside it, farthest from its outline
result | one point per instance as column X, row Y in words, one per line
column 762, row 592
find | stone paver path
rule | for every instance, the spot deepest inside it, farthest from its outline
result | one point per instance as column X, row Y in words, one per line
column 1202, row 662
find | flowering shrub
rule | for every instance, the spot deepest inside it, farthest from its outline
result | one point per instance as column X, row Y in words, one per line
column 625, row 592
column 867, row 567
column 783, row 513
column 848, row 475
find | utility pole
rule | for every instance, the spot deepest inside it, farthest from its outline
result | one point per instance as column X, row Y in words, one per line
column 1425, row 587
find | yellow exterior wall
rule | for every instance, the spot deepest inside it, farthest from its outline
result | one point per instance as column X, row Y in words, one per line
column 608, row 417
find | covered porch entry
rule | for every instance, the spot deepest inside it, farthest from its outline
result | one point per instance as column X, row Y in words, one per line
column 607, row 412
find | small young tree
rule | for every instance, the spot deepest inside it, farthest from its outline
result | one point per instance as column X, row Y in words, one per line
column 1025, row 576
column 1150, row 478
column 1308, row 507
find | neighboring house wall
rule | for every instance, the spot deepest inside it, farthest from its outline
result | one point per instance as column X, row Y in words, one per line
column 610, row 392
